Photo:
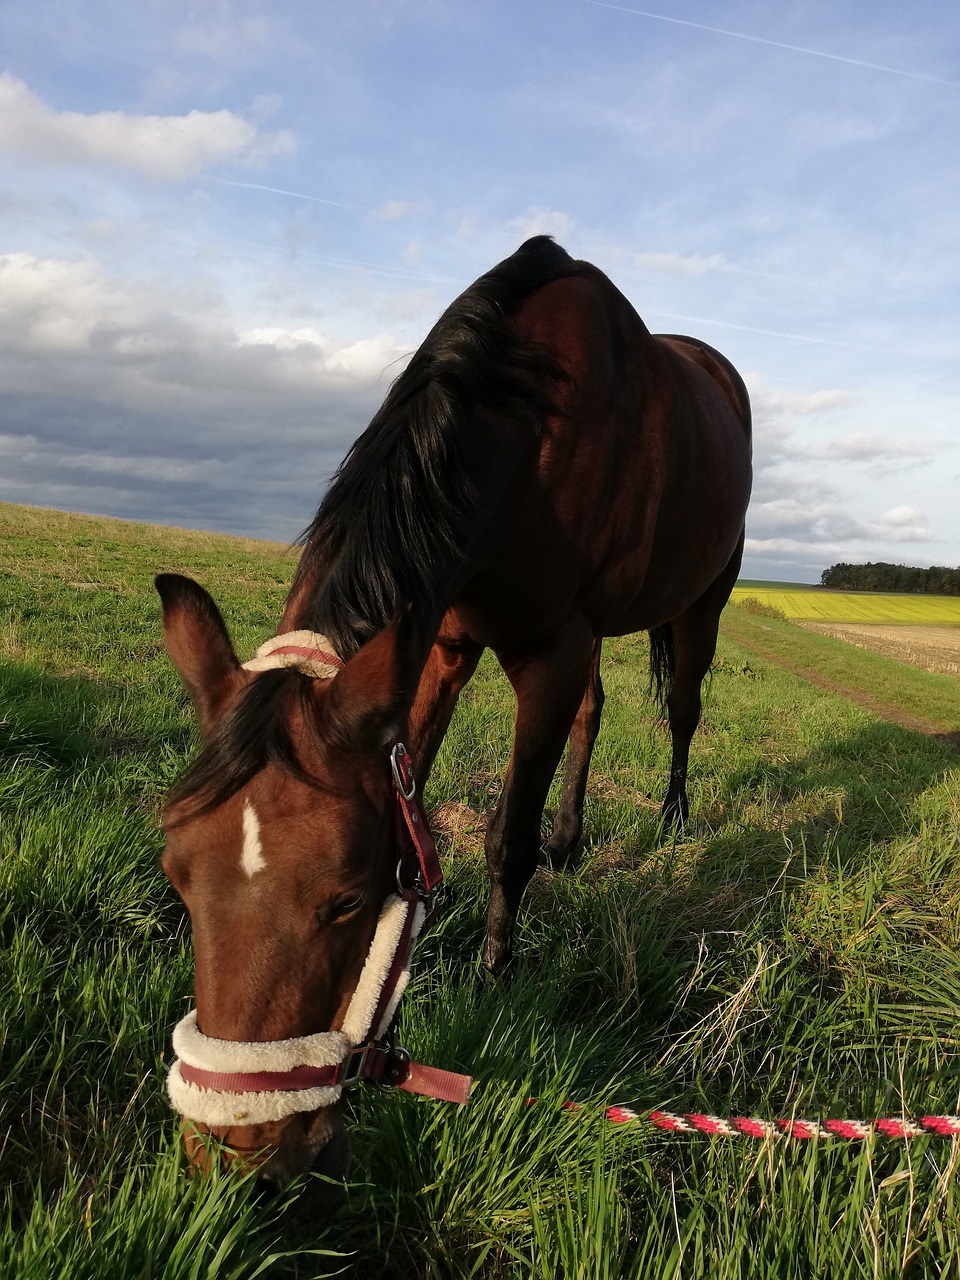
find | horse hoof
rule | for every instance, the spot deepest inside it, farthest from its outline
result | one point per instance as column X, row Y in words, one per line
column 556, row 857
column 674, row 818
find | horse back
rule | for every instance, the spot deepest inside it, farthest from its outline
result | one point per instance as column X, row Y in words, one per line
column 633, row 498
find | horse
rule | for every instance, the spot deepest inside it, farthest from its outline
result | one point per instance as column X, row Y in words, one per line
column 544, row 473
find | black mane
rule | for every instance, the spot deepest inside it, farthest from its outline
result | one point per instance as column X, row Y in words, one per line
column 406, row 505
column 403, row 510
column 250, row 736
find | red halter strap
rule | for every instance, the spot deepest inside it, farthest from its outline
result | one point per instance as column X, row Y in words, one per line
column 303, row 651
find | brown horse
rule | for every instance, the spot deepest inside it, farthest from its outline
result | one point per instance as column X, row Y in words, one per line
column 544, row 473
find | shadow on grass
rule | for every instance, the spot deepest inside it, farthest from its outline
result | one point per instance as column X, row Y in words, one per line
column 52, row 718
column 842, row 796
column 847, row 793
column 63, row 721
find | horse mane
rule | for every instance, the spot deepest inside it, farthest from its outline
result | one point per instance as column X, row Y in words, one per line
column 405, row 508
column 250, row 736
column 403, row 511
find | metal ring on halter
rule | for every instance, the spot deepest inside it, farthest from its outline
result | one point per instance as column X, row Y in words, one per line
column 398, row 776
column 400, row 1057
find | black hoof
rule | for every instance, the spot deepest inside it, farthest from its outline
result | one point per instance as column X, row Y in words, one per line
column 674, row 815
column 554, row 857
column 559, row 850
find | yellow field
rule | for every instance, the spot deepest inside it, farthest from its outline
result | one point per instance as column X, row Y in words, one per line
column 820, row 605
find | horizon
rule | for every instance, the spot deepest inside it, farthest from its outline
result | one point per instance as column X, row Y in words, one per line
column 292, row 546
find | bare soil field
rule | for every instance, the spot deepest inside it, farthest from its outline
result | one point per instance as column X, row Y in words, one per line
column 932, row 648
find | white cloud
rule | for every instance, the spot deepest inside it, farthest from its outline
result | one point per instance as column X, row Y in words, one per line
column 904, row 524
column 863, row 447
column 134, row 398
column 901, row 515
column 114, row 351
column 770, row 403
column 811, row 528
column 165, row 147
column 543, row 222
column 694, row 264
column 62, row 308
column 366, row 359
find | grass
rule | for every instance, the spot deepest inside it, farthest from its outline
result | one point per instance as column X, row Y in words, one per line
column 817, row 604
column 796, row 952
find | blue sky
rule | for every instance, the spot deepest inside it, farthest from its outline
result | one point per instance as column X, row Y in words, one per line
column 224, row 227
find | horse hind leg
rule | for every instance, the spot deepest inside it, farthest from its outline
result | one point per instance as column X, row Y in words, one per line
column 693, row 639
column 568, row 824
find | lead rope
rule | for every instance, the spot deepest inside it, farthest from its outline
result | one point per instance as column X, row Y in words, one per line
column 754, row 1127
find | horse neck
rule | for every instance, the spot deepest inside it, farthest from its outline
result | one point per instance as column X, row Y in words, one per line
column 300, row 594
column 297, row 608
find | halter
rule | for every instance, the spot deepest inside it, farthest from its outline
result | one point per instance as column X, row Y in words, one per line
column 236, row 1082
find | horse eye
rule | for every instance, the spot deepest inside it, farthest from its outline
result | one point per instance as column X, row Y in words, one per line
column 340, row 908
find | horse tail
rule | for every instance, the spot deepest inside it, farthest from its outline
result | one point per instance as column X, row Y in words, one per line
column 663, row 664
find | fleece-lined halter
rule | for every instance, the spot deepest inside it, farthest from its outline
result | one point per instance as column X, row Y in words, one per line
column 234, row 1082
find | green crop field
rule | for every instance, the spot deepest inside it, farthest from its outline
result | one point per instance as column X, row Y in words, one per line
column 795, row 952
column 816, row 604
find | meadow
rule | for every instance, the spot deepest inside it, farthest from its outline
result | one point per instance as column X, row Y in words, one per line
column 796, row 951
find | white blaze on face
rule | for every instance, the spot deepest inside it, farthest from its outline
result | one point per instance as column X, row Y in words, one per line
column 252, row 859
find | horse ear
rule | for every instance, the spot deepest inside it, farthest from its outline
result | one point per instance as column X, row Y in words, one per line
column 368, row 701
column 199, row 646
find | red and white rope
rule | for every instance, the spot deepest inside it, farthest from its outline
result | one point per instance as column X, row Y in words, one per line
column 753, row 1127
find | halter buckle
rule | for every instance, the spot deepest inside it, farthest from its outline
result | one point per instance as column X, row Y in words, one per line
column 354, row 1065
column 407, row 789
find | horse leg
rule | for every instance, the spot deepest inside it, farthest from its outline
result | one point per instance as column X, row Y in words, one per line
column 450, row 664
column 694, row 643
column 549, row 688
column 568, row 824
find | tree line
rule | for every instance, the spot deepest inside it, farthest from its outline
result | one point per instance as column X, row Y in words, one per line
column 937, row 580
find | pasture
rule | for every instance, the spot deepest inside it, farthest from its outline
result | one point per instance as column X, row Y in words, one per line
column 795, row 952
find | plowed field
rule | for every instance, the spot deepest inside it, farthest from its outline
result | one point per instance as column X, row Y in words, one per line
column 932, row 648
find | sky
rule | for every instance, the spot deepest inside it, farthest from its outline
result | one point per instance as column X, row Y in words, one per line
column 225, row 227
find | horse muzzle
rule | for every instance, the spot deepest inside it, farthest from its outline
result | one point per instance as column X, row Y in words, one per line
column 280, row 1151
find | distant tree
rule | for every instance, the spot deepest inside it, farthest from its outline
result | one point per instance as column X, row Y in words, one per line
column 880, row 576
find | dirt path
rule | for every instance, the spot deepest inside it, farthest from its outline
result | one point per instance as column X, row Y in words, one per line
column 884, row 710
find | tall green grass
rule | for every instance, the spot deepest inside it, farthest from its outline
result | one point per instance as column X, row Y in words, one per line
column 796, row 951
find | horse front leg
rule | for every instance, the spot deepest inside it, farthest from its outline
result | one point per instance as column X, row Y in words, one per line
column 450, row 664
column 568, row 824
column 549, row 688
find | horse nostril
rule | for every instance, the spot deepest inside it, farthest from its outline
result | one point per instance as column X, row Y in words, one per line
column 266, row 1188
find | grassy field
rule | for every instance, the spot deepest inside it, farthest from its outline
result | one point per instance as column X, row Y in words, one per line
column 816, row 604
column 796, row 952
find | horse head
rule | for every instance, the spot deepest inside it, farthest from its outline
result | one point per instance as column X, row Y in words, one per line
column 280, row 841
